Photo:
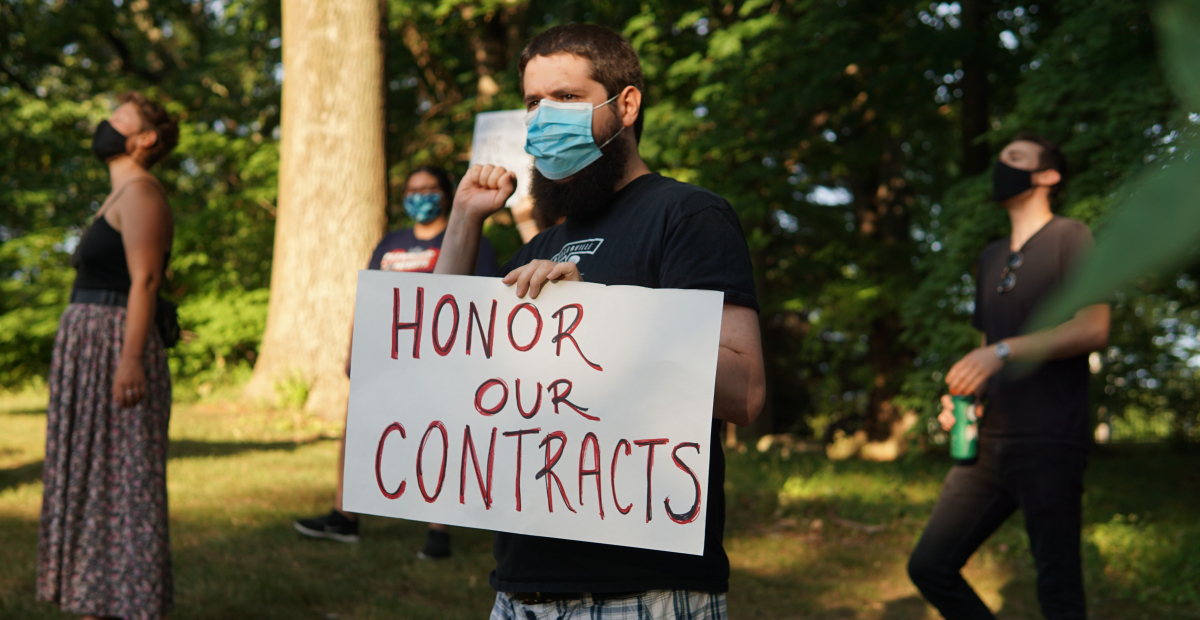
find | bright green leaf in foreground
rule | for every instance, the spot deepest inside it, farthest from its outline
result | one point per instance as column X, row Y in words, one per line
column 1158, row 225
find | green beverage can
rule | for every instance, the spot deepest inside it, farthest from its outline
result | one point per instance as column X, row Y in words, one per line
column 964, row 437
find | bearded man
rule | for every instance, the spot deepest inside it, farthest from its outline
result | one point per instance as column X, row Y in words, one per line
column 624, row 225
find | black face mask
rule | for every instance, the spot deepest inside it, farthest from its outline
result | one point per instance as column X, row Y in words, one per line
column 1008, row 181
column 107, row 142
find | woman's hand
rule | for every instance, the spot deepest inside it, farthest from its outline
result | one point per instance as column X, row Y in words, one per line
column 532, row 277
column 129, row 385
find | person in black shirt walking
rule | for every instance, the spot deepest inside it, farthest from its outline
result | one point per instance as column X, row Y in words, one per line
column 582, row 85
column 1033, row 436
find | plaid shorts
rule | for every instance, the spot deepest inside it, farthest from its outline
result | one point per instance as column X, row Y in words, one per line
column 653, row 605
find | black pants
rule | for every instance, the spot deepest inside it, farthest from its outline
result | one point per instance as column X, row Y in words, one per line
column 1046, row 483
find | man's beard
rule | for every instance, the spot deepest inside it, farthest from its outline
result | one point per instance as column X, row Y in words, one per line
column 585, row 194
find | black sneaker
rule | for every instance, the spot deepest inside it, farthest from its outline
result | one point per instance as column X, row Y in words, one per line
column 334, row 526
column 437, row 546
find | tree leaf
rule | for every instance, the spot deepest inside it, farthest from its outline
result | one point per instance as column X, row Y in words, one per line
column 1158, row 225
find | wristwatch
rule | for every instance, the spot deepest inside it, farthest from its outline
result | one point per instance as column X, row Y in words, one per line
column 1002, row 351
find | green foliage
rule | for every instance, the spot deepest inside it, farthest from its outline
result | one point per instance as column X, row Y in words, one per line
column 217, row 68
column 845, row 136
column 64, row 63
column 1130, row 127
column 292, row 392
column 852, row 137
column 222, row 334
column 1096, row 89
column 31, row 299
column 1154, row 228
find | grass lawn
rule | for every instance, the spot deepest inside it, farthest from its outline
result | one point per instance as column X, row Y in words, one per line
column 807, row 538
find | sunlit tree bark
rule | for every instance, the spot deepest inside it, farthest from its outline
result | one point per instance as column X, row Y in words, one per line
column 332, row 194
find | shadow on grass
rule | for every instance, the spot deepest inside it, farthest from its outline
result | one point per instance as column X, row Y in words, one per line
column 24, row 411
column 191, row 448
column 268, row 572
column 20, row 475
column 791, row 595
column 904, row 608
column 296, row 577
column 13, row 477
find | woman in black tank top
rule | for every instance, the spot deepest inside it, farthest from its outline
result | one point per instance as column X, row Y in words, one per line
column 104, row 548
column 99, row 259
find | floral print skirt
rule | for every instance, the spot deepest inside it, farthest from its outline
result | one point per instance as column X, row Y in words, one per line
column 103, row 547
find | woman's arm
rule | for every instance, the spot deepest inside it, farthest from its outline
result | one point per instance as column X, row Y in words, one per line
column 144, row 221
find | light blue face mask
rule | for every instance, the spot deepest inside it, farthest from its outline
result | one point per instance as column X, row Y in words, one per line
column 423, row 208
column 559, row 136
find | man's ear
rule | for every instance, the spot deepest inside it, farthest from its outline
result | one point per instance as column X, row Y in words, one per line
column 631, row 105
column 1046, row 178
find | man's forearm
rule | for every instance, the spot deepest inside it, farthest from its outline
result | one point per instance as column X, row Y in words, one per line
column 460, row 246
column 740, row 388
column 1085, row 333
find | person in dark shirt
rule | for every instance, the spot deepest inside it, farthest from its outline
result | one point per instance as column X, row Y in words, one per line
column 624, row 225
column 1033, row 438
column 428, row 196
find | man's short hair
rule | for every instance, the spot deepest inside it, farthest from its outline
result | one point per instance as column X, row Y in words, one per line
column 1051, row 158
column 614, row 63
column 154, row 118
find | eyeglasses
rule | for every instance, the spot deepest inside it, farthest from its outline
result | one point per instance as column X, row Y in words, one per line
column 1008, row 277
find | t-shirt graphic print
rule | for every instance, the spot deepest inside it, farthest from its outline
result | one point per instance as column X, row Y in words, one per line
column 411, row 259
column 576, row 250
column 402, row 251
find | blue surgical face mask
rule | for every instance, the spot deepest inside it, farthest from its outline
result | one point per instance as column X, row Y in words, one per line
column 559, row 136
column 423, row 208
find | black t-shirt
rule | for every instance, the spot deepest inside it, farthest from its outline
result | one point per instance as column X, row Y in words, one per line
column 658, row 233
column 402, row 251
column 1049, row 404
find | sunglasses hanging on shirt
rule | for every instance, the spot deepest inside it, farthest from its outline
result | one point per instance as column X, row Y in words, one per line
column 1008, row 277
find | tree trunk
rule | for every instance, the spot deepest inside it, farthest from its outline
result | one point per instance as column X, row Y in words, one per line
column 332, row 195
column 975, row 155
column 883, row 215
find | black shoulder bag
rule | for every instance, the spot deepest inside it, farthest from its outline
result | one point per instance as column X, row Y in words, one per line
column 166, row 320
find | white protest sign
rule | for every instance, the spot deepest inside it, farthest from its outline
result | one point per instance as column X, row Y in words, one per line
column 499, row 140
column 585, row 414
